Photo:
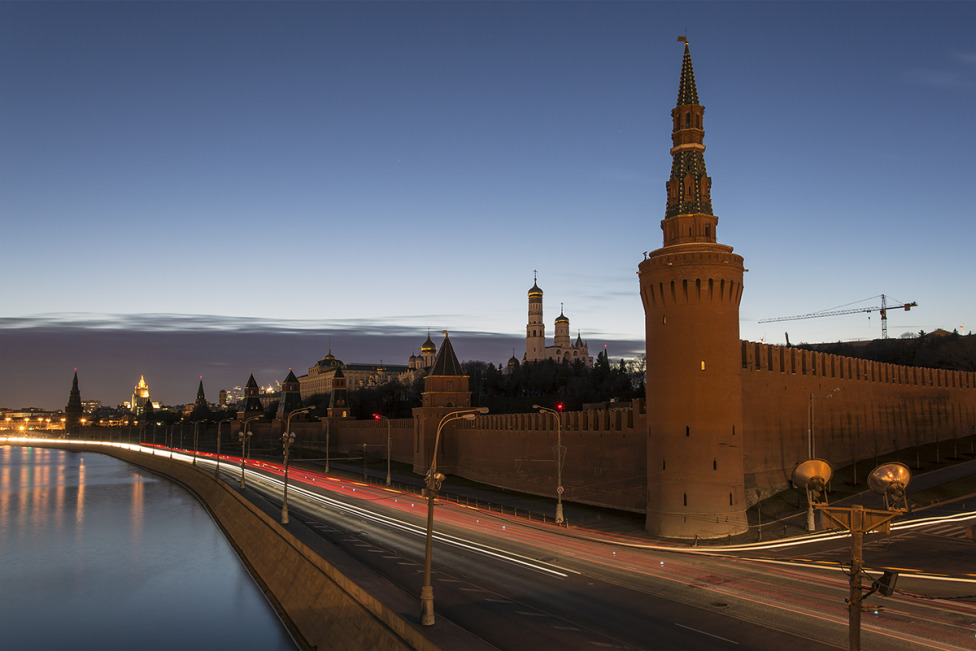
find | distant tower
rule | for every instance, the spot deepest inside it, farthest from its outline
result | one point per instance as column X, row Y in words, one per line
column 201, row 409
column 338, row 399
column 251, row 404
column 291, row 397
column 562, row 330
column 535, row 331
column 691, row 288
column 445, row 390
column 73, row 410
column 140, row 396
column 447, row 384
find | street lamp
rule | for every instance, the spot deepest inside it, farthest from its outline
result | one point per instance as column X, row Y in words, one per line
column 557, row 414
column 244, row 436
column 196, row 423
column 287, row 438
column 812, row 451
column 389, row 441
column 433, row 481
column 217, row 467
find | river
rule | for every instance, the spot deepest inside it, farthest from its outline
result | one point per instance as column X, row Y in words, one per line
column 96, row 553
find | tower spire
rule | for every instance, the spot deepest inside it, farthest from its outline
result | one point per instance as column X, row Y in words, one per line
column 688, row 216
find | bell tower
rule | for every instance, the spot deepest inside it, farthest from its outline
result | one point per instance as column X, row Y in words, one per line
column 691, row 288
column 535, row 330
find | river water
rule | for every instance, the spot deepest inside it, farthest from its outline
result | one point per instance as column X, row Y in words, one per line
column 98, row 554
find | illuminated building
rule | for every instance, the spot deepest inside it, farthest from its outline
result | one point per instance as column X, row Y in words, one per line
column 562, row 349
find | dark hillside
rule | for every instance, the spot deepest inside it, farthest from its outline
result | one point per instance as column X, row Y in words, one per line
column 939, row 349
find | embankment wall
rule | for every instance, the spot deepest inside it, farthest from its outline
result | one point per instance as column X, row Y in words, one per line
column 327, row 603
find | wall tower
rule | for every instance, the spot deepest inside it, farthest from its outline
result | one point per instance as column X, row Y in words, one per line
column 691, row 288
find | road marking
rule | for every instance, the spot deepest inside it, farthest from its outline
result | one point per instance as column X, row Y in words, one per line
column 717, row 637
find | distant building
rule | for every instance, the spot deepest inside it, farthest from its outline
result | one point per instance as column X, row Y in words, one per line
column 140, row 396
column 321, row 377
column 562, row 349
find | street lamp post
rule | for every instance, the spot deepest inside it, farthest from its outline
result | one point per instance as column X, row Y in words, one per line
column 287, row 438
column 433, row 481
column 244, row 436
column 559, row 457
column 217, row 467
column 196, row 424
column 812, row 451
column 327, row 421
column 389, row 446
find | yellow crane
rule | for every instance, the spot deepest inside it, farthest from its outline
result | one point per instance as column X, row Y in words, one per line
column 883, row 308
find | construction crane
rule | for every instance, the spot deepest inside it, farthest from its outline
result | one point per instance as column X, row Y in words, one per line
column 883, row 308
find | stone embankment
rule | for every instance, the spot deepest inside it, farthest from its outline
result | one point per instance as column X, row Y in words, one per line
column 325, row 599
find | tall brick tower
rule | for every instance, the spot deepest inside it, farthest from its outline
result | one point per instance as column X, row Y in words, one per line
column 691, row 288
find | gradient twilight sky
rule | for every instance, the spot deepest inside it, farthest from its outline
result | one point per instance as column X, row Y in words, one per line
column 277, row 173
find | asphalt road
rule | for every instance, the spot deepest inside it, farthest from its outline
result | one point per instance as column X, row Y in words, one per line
column 522, row 585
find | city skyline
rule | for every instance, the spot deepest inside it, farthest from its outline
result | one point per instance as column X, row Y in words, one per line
column 307, row 170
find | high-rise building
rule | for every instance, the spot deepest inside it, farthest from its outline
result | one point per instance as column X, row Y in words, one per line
column 140, row 396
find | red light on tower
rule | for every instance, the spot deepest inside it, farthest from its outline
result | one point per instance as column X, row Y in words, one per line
column 559, row 406
column 376, row 416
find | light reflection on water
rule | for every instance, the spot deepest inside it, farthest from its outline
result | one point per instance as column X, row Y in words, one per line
column 95, row 553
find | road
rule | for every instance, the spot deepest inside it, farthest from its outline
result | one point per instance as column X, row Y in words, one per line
column 523, row 584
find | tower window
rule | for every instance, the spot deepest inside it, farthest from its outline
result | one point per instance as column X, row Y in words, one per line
column 708, row 230
column 730, row 499
column 714, row 464
column 703, row 365
column 686, row 499
column 687, row 431
column 687, row 120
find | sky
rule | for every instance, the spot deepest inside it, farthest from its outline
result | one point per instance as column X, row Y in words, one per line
column 217, row 188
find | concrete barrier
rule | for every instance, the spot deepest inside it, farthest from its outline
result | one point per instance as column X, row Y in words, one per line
column 325, row 598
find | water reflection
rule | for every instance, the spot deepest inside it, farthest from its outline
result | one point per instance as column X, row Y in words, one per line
column 117, row 559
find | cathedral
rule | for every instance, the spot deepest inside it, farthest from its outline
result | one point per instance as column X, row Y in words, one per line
column 562, row 349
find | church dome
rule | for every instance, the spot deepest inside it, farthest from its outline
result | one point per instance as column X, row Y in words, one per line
column 562, row 318
column 428, row 346
column 534, row 290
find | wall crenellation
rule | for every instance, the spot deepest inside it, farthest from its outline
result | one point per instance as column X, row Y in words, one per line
column 795, row 361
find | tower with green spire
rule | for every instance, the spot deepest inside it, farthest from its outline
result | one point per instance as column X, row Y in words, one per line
column 691, row 288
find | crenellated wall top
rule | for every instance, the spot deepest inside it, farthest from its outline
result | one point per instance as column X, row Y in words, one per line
column 795, row 361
